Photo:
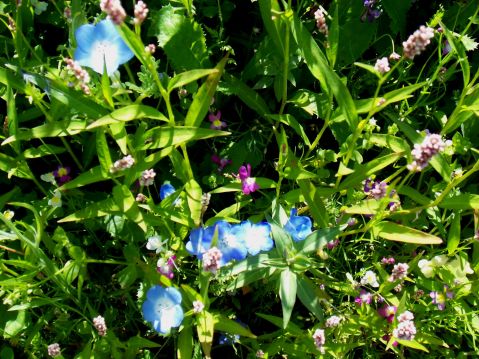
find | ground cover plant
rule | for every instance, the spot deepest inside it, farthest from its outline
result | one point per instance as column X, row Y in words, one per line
column 251, row 179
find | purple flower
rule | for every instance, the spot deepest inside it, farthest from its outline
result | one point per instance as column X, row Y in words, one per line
column 221, row 162
column 370, row 13
column 165, row 266
column 389, row 260
column 299, row 227
column 248, row 183
column 439, row 298
column 62, row 173
column 215, row 119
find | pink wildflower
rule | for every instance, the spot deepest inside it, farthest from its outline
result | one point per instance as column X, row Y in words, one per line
column 321, row 22
column 211, row 259
column 141, row 11
column 147, row 178
column 417, row 42
column 249, row 184
column 319, row 339
column 100, row 326
column 166, row 266
column 382, row 65
column 422, row 153
column 399, row 272
column 54, row 350
column 114, row 10
column 364, row 297
column 221, row 162
column 388, row 312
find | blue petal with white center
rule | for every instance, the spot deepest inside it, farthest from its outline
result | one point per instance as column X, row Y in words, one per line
column 101, row 45
column 162, row 308
column 299, row 227
column 200, row 241
column 166, row 190
column 257, row 237
column 230, row 245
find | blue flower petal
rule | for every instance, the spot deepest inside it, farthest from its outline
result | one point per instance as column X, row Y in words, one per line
column 166, row 190
column 106, row 30
column 162, row 308
column 85, row 36
column 200, row 241
column 299, row 227
column 124, row 51
column 255, row 236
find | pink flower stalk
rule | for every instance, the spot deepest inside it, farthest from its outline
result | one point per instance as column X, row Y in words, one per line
column 394, row 56
column 198, row 306
column 211, row 259
column 80, row 73
column 405, row 330
column 100, row 325
column 166, row 266
column 114, row 10
column 141, row 198
column 141, row 11
column 399, row 272
column 422, row 153
column 150, row 48
column 215, row 119
column 382, row 65
column 54, row 350
column 147, row 178
column 417, row 42
column 319, row 339
column 249, row 184
column 321, row 22
column 332, row 244
column 221, row 162
column 333, row 321
column 122, row 164
column 389, row 260
column 388, row 312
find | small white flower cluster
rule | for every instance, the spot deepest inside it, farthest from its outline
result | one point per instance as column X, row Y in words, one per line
column 198, row 306
column 211, row 259
column 54, row 350
column 422, row 153
column 114, row 10
column 100, row 325
column 147, row 178
column 382, row 65
column 81, row 74
column 122, row 164
column 370, row 278
column 141, row 11
column 406, row 330
column 319, row 339
column 321, row 22
column 417, row 42
column 333, row 321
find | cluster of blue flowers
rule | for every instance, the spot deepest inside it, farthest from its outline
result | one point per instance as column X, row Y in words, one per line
column 162, row 307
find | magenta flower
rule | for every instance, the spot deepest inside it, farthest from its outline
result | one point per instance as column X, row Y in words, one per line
column 215, row 119
column 166, row 266
column 387, row 312
column 389, row 260
column 364, row 297
column 249, row 184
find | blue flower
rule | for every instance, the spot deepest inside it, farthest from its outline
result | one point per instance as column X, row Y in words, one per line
column 200, row 241
column 299, row 227
column 162, row 308
column 231, row 246
column 166, row 190
column 256, row 237
column 101, row 44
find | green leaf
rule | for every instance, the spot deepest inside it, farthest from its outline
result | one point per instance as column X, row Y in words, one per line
column 364, row 171
column 412, row 344
column 292, row 328
column 468, row 42
column 287, row 293
column 293, row 123
column 395, row 144
column 202, row 99
column 227, row 325
column 186, row 77
column 103, row 152
column 317, row 240
column 97, row 209
column 51, row 129
column 14, row 167
column 205, row 328
column 310, row 295
column 414, row 195
column 454, row 236
column 461, row 201
column 181, row 38
column 399, row 233
column 185, row 343
column 128, row 205
column 315, row 203
column 318, row 65
column 128, row 113
column 269, row 13
column 43, row 150
column 283, row 241
column 93, row 175
column 193, row 197
column 164, row 136
column 249, row 96
column 245, row 278
column 397, row 12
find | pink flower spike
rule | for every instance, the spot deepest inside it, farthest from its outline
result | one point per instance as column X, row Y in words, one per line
column 215, row 119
